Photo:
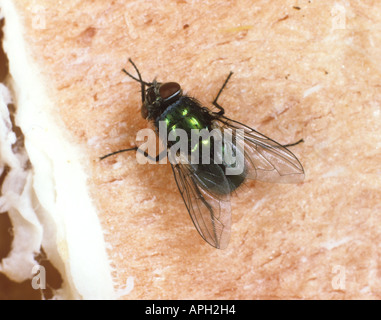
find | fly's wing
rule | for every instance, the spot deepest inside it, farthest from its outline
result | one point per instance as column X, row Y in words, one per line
column 209, row 209
column 265, row 159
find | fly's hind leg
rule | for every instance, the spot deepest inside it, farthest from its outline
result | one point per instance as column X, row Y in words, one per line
column 293, row 144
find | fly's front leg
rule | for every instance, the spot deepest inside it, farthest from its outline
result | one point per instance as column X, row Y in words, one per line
column 116, row 152
column 159, row 157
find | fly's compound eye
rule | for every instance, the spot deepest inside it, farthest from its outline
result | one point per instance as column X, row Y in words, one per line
column 169, row 90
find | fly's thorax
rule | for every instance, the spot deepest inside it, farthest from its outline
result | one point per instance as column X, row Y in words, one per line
column 185, row 114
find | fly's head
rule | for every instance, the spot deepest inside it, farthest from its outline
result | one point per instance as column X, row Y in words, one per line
column 158, row 97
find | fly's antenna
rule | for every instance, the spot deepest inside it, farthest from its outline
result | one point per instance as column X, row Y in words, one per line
column 140, row 80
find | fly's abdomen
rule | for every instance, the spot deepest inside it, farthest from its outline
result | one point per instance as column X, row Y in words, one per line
column 211, row 177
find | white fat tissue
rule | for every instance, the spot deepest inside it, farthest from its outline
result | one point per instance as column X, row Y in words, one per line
column 45, row 189
column 15, row 199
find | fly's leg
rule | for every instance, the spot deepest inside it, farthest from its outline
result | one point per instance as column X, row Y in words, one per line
column 293, row 144
column 116, row 152
column 221, row 110
column 159, row 157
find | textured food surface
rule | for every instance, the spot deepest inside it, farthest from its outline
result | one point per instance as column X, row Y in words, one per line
column 302, row 69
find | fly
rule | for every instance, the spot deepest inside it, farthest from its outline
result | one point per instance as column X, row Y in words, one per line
column 206, row 188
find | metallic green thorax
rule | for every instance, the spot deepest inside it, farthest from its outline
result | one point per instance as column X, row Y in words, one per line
column 184, row 114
